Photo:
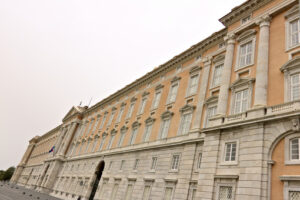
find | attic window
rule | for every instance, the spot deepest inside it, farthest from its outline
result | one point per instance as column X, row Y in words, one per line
column 246, row 19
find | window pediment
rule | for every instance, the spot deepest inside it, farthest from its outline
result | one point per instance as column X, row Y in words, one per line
column 241, row 82
column 246, row 35
column 167, row 114
column 187, row 108
column 212, row 99
column 195, row 69
column 219, row 58
column 124, row 129
column 291, row 64
column 150, row 120
column 113, row 132
column 104, row 134
column 293, row 11
column 133, row 99
column 145, row 94
column 175, row 78
column 159, row 87
column 136, row 124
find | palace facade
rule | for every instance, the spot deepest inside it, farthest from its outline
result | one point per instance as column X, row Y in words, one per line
column 220, row 121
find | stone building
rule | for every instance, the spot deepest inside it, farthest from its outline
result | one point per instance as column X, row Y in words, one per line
column 219, row 121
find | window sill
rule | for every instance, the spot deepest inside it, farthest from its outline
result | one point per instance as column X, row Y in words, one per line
column 215, row 88
column 290, row 48
column 170, row 103
column 228, row 163
column 152, row 171
column 292, row 162
column 243, row 67
column 190, row 95
column 173, row 171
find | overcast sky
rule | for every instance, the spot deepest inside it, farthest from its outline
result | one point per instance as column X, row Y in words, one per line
column 54, row 54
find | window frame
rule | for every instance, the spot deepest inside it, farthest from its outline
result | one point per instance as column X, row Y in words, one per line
column 158, row 90
column 186, row 111
column 290, row 16
column 224, row 145
column 166, row 117
column 216, row 65
column 171, row 169
column 194, row 72
column 174, row 82
column 287, row 149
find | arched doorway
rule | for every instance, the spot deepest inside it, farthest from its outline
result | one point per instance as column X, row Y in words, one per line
column 98, row 174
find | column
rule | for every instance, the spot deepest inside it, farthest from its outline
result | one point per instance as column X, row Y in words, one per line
column 261, row 85
column 59, row 139
column 202, row 93
column 67, row 139
column 226, row 74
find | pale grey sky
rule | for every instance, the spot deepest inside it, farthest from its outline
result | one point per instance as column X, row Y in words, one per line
column 54, row 54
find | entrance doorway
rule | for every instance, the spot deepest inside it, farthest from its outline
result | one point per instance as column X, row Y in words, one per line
column 98, row 174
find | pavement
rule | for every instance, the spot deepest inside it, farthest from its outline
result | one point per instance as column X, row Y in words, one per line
column 10, row 191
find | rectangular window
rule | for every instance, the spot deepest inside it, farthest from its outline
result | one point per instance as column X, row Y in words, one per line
column 136, row 164
column 110, row 165
column 87, row 146
column 101, row 143
column 175, row 162
column 122, row 164
column 143, row 104
column 230, row 151
column 90, row 126
column 146, row 193
column 133, row 136
column 225, row 193
column 156, row 100
column 295, row 87
column 199, row 160
column 103, row 120
column 217, row 75
column 129, row 192
column 241, row 101
column 130, row 111
column 192, row 191
column 193, row 85
column 147, row 132
column 111, row 117
column 95, row 126
column 185, row 124
column 294, row 32
column 153, row 163
column 246, row 54
column 114, row 191
column 211, row 111
column 294, row 149
column 173, row 93
column 111, row 140
column 122, row 136
column 294, row 195
column 164, row 128
column 120, row 114
column 168, row 193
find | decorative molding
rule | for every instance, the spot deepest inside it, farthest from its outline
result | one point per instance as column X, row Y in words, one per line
column 186, row 108
column 124, row 129
column 241, row 82
column 195, row 69
column 246, row 34
column 135, row 124
column 113, row 132
column 150, row 120
column 219, row 58
column 167, row 114
column 226, row 176
column 175, row 79
column 291, row 64
column 159, row 86
column 293, row 11
column 145, row 93
column 289, row 178
column 211, row 99
column 133, row 99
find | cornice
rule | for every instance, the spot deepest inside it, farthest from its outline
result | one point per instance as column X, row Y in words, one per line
column 242, row 11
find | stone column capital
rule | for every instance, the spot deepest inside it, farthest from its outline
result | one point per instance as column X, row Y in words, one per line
column 230, row 38
column 207, row 61
column 264, row 21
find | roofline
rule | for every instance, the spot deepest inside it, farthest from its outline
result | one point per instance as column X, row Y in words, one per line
column 192, row 51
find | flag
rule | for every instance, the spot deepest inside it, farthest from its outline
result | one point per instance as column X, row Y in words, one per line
column 52, row 149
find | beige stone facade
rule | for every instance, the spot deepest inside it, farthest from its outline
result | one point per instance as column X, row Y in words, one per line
column 220, row 121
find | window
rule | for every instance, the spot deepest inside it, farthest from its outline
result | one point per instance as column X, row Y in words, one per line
column 156, row 100
column 168, row 193
column 129, row 191
column 114, row 191
column 122, row 164
column 111, row 117
column 241, row 101
column 121, row 113
column 294, row 195
column 102, row 141
column 110, row 165
column 193, row 84
column 211, row 111
column 192, row 191
column 225, row 193
column 294, row 32
column 136, row 164
column 294, row 149
column 130, row 111
column 122, row 136
column 173, row 93
column 143, row 104
column 90, row 126
column 146, row 193
column 216, row 80
column 153, row 163
column 96, row 124
column 175, row 162
column 87, row 146
column 103, row 120
column 295, row 87
column 185, row 123
column 133, row 136
column 246, row 19
column 199, row 160
column 245, row 54
column 164, row 128
column 147, row 132
column 230, row 151
column 111, row 140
